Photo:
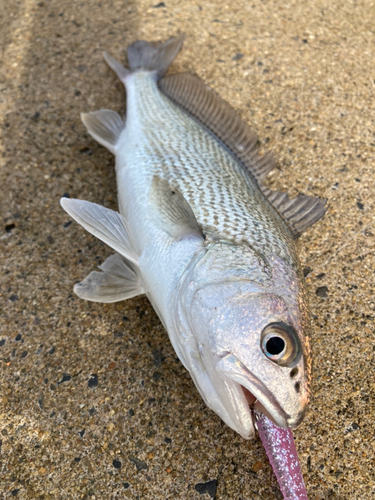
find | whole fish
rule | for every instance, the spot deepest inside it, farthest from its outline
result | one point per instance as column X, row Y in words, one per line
column 205, row 240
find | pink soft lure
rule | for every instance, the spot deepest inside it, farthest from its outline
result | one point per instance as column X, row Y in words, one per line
column 282, row 453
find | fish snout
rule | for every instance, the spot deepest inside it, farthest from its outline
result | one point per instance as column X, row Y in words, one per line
column 296, row 420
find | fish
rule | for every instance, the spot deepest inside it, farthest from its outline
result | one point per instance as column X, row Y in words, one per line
column 211, row 246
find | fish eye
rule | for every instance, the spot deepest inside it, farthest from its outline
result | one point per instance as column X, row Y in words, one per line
column 280, row 344
column 275, row 346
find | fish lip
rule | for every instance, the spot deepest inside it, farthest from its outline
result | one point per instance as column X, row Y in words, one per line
column 232, row 369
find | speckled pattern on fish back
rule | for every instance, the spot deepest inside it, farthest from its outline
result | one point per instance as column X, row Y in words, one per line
column 227, row 203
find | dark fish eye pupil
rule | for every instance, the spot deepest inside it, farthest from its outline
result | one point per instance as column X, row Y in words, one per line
column 275, row 345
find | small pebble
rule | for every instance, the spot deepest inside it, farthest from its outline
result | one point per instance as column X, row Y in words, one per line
column 41, row 400
column 321, row 291
column 156, row 354
column 209, row 487
column 306, row 271
column 140, row 464
column 86, row 151
column 65, row 378
column 93, row 381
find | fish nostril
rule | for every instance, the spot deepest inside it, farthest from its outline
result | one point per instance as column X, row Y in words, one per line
column 294, row 372
column 297, row 386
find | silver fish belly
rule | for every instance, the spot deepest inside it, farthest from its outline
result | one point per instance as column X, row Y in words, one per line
column 211, row 246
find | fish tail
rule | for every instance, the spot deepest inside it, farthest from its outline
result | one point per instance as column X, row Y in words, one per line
column 154, row 56
column 148, row 56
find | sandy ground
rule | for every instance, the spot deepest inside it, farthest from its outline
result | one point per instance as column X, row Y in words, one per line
column 93, row 402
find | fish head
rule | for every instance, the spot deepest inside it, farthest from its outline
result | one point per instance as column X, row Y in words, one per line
column 250, row 348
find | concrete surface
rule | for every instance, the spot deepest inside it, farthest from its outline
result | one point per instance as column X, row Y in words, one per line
column 93, row 403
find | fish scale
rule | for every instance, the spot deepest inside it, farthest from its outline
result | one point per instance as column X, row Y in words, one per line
column 224, row 199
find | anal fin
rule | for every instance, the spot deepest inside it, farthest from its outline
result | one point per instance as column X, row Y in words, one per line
column 105, row 126
column 118, row 281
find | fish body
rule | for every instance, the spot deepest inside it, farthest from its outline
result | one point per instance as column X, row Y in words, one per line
column 209, row 246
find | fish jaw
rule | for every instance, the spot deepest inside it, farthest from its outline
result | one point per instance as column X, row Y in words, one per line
column 257, row 395
column 234, row 392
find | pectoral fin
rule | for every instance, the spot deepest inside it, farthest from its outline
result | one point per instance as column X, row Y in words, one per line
column 173, row 213
column 118, row 281
column 107, row 225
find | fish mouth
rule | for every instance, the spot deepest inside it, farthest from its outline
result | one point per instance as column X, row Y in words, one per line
column 255, row 404
column 253, row 394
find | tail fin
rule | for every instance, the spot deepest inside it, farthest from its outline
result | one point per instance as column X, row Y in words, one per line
column 148, row 56
column 154, row 56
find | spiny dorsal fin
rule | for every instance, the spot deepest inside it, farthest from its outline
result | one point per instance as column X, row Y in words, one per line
column 191, row 94
column 199, row 100
column 173, row 212
column 300, row 212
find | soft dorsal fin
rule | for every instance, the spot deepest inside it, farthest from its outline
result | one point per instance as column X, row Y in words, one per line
column 191, row 94
column 172, row 212
column 300, row 212
column 107, row 225
column 118, row 281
